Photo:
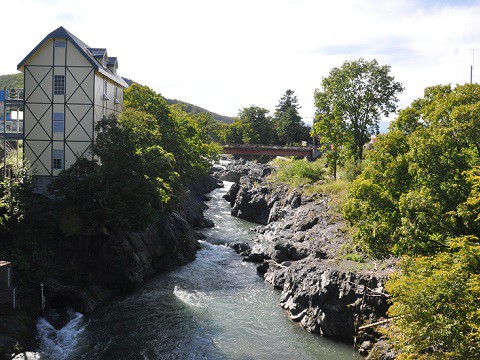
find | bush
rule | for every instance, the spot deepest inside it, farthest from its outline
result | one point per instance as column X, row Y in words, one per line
column 300, row 172
column 352, row 169
column 437, row 299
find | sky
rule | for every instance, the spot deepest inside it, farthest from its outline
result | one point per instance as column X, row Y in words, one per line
column 224, row 55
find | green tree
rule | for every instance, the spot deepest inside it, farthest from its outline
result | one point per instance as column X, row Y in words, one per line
column 234, row 132
column 358, row 94
column 15, row 194
column 124, row 188
column 11, row 81
column 180, row 134
column 257, row 127
column 422, row 168
column 330, row 131
column 436, row 299
column 287, row 121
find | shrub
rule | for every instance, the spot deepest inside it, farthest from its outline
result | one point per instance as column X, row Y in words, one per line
column 300, row 172
column 437, row 299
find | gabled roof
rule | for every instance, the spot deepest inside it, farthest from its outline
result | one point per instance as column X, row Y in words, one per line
column 112, row 61
column 97, row 52
column 85, row 50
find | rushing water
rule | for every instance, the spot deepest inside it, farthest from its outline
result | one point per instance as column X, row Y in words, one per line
column 216, row 307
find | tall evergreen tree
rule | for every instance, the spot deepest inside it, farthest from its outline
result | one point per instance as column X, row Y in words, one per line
column 287, row 121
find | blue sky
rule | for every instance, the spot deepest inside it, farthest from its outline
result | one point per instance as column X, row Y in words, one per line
column 224, row 55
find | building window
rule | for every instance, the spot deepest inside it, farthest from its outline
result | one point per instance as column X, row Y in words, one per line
column 115, row 99
column 105, row 87
column 58, row 122
column 59, row 85
column 58, row 159
column 59, row 43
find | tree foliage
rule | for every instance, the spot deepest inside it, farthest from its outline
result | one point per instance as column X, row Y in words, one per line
column 437, row 299
column 415, row 190
column 287, row 121
column 13, row 202
column 353, row 98
column 11, row 81
column 181, row 134
column 140, row 162
column 257, row 125
column 127, row 184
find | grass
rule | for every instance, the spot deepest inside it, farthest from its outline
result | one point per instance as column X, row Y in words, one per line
column 296, row 173
column 355, row 257
column 335, row 189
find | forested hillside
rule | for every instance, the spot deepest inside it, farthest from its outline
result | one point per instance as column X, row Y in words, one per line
column 193, row 109
column 11, row 81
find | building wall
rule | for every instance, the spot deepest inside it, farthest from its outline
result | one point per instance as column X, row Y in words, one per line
column 82, row 104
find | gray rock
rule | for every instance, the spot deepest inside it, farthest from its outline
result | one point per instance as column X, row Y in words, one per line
column 296, row 247
column 329, row 299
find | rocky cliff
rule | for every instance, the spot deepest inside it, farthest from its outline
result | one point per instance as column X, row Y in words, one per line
column 301, row 249
column 84, row 272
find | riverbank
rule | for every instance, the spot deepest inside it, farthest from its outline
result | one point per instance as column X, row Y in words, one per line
column 304, row 249
column 86, row 272
column 215, row 307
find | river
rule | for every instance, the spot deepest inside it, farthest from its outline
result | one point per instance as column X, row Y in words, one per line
column 216, row 307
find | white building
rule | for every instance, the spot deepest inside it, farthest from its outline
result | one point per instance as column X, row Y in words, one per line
column 68, row 87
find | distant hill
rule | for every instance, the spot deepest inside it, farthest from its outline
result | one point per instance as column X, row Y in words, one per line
column 12, row 81
column 193, row 109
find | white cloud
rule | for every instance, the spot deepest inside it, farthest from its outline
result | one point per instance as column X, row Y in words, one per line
column 224, row 55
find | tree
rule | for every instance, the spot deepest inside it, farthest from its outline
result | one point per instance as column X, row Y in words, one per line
column 179, row 132
column 330, row 131
column 358, row 94
column 256, row 125
column 436, row 299
column 412, row 196
column 287, row 121
column 125, row 187
column 234, row 132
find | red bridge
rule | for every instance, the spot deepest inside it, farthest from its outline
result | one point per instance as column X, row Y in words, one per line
column 254, row 149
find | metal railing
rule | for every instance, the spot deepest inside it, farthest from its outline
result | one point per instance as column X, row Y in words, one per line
column 14, row 94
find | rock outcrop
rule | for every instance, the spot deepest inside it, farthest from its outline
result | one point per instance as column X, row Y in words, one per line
column 88, row 270
column 301, row 250
column 92, row 269
column 328, row 300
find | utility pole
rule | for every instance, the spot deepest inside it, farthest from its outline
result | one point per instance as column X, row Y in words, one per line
column 473, row 64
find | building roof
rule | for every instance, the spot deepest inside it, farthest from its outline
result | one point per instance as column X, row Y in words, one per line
column 112, row 61
column 97, row 52
column 85, row 50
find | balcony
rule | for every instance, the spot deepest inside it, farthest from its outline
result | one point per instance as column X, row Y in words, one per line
column 11, row 113
column 13, row 94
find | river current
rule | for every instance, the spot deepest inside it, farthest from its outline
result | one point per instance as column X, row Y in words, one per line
column 216, row 307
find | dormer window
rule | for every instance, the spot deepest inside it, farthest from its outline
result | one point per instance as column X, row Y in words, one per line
column 112, row 64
